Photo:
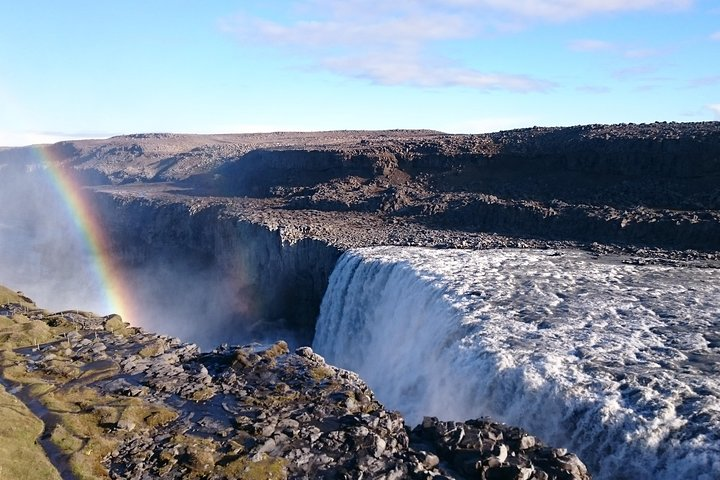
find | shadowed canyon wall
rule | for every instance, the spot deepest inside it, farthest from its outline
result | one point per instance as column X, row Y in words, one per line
column 215, row 279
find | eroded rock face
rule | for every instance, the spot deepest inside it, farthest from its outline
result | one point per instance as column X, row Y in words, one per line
column 639, row 185
column 651, row 185
column 246, row 280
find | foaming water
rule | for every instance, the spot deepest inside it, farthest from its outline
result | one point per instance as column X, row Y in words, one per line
column 617, row 362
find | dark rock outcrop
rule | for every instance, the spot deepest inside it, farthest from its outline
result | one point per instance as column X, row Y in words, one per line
column 488, row 450
column 652, row 185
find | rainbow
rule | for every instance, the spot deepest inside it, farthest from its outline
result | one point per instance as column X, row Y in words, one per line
column 86, row 221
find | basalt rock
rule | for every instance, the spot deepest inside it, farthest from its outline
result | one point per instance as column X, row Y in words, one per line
column 652, row 185
column 489, row 450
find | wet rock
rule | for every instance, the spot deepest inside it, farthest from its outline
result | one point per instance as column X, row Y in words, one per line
column 266, row 447
column 429, row 460
column 526, row 442
column 495, row 451
column 571, row 464
column 308, row 353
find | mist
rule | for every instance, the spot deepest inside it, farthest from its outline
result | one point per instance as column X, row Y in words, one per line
column 203, row 303
column 175, row 292
column 42, row 252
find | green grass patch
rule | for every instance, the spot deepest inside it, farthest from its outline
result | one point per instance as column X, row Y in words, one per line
column 62, row 370
column 267, row 468
column 20, row 318
column 20, row 455
column 10, row 296
column 90, row 417
column 197, row 454
column 6, row 322
column 87, row 424
column 114, row 324
column 160, row 416
column 203, row 394
column 8, row 358
column 85, row 463
column 18, row 373
column 34, row 332
column 321, row 373
column 39, row 389
column 64, row 440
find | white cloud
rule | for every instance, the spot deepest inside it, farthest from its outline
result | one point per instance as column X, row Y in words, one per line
column 386, row 44
column 558, row 10
column 642, row 52
column 705, row 81
column 402, row 42
column 633, row 52
column 406, row 69
column 398, row 28
column 594, row 89
column 635, row 71
column 715, row 36
column 590, row 45
column 715, row 108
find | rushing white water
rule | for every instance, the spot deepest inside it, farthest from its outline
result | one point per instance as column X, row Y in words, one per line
column 619, row 363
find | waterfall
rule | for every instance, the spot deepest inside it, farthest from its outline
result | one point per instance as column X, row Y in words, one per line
column 617, row 362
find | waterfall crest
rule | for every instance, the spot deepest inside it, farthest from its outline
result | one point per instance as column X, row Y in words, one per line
column 617, row 362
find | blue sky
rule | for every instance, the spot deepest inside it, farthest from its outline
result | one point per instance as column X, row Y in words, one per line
column 80, row 69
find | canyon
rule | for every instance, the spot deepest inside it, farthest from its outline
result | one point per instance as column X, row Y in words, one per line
column 232, row 239
column 292, row 203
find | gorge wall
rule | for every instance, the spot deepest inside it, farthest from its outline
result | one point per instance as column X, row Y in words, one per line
column 291, row 203
column 212, row 278
column 245, row 229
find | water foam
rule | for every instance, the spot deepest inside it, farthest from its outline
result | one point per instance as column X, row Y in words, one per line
column 617, row 362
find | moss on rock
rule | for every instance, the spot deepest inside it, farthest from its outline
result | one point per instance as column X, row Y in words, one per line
column 264, row 468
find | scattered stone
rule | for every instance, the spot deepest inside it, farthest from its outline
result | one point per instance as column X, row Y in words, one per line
column 494, row 451
column 124, row 424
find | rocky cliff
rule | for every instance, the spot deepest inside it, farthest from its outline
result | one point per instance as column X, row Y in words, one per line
column 255, row 222
column 238, row 234
column 245, row 276
column 640, row 185
column 239, row 206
